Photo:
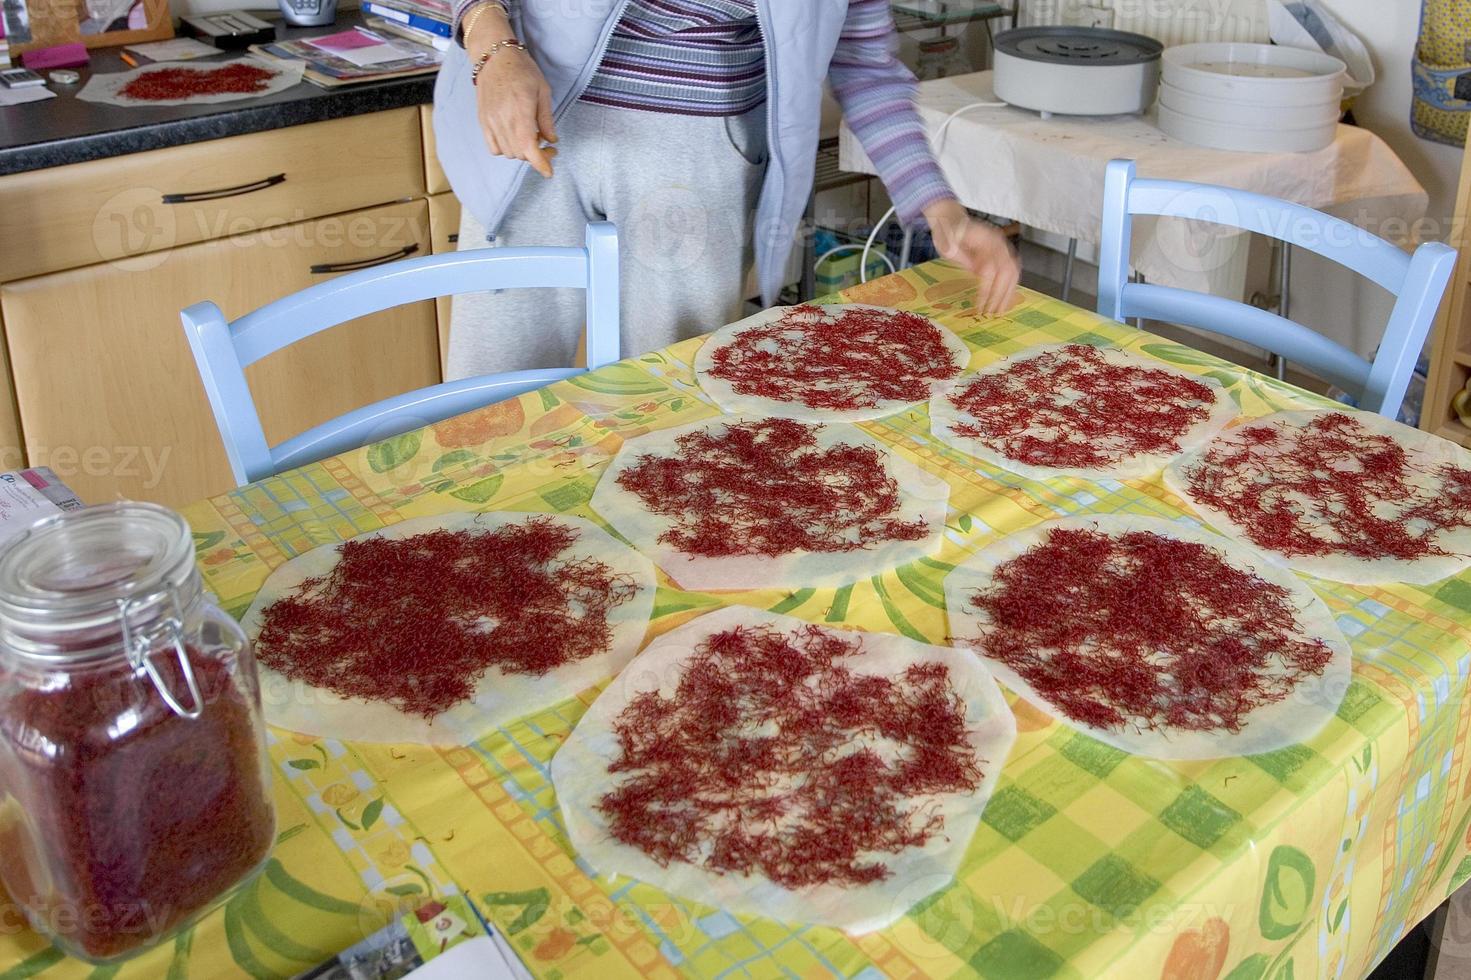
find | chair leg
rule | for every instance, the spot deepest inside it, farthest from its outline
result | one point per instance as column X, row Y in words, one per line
column 1284, row 303
column 1067, row 272
column 807, row 288
column 1139, row 320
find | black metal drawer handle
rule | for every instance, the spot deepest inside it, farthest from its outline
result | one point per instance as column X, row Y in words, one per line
column 329, row 268
column 250, row 188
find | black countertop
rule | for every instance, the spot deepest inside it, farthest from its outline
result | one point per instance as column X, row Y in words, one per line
column 66, row 130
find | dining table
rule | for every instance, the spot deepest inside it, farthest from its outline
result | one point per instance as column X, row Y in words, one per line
column 1310, row 861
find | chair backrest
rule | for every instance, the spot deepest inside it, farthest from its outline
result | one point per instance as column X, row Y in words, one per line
column 1418, row 282
column 223, row 350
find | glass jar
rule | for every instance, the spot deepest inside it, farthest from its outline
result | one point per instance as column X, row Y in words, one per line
column 134, row 786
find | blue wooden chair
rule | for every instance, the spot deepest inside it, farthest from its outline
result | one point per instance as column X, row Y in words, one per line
column 224, row 350
column 1417, row 281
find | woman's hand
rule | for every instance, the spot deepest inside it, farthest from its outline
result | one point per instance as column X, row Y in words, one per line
column 513, row 100
column 981, row 248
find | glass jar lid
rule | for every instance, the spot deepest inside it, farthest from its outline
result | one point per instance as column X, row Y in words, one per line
column 76, row 584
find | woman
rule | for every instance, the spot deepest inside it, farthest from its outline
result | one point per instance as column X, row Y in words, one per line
column 692, row 125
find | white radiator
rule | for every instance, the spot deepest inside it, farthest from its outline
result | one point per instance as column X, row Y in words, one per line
column 1169, row 21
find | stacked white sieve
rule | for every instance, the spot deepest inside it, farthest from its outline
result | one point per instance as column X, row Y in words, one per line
column 1252, row 97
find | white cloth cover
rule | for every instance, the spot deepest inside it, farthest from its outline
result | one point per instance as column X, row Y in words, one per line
column 1048, row 174
column 1287, row 722
column 500, row 697
column 107, row 88
column 730, row 400
column 922, row 497
column 944, row 416
column 581, row 778
column 1427, row 452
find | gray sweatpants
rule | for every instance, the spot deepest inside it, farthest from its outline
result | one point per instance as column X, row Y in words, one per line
column 681, row 190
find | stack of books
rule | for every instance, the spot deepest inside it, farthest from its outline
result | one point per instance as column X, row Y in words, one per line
column 353, row 56
column 428, row 22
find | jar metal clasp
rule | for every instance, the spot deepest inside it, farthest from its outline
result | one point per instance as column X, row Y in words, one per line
column 167, row 629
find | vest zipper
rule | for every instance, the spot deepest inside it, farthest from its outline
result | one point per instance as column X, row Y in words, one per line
column 589, row 69
column 762, row 13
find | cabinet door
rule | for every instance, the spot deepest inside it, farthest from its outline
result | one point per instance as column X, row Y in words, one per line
column 105, row 210
column 108, row 390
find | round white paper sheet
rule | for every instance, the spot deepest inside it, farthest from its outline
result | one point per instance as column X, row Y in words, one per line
column 922, row 497
column 1425, row 450
column 732, row 401
column 581, row 778
column 499, row 697
column 1292, row 720
column 944, row 417
column 107, row 88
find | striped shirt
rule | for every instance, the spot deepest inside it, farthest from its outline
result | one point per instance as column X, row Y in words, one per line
column 707, row 57
column 692, row 57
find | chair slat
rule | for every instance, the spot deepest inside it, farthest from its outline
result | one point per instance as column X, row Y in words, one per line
column 1417, row 281
column 222, row 350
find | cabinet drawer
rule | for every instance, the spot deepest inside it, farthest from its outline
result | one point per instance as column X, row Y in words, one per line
column 444, row 233
column 108, row 210
column 435, row 180
column 108, row 390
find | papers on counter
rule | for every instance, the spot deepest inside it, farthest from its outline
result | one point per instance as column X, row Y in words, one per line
column 20, row 96
column 361, row 48
column 177, row 49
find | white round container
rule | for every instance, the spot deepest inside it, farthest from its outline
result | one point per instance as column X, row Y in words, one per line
column 1248, row 139
column 1080, row 71
column 1256, row 74
column 1242, row 114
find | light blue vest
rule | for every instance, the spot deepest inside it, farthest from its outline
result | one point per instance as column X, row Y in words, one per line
column 568, row 37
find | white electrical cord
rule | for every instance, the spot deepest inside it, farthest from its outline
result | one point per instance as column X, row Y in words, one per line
column 939, row 148
column 848, row 248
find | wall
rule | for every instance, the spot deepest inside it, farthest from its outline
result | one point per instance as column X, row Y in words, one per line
column 1390, row 28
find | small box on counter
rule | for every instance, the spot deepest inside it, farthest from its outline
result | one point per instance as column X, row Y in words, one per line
column 26, row 496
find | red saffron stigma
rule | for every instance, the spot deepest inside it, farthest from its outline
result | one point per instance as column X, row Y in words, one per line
column 1069, row 408
column 837, row 358
column 766, row 488
column 1331, row 487
column 178, row 83
column 198, row 815
column 773, row 757
column 1144, row 630
column 417, row 621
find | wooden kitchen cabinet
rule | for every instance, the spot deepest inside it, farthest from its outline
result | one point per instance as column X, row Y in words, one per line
column 106, row 210
column 108, row 391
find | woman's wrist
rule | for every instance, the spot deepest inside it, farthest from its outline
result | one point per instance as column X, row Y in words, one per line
column 483, row 25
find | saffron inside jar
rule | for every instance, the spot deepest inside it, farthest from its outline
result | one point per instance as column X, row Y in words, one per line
column 110, row 838
column 1331, row 487
column 767, row 488
column 1144, row 630
column 774, row 756
column 1072, row 408
column 417, row 622
column 179, row 83
column 841, row 359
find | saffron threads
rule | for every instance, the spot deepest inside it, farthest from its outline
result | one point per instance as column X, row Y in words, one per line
column 1139, row 629
column 117, row 836
column 773, row 757
column 416, row 622
column 1071, row 408
column 180, row 83
column 767, row 488
column 838, row 358
column 1331, row 487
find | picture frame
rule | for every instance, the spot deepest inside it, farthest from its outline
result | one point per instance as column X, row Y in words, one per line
column 108, row 23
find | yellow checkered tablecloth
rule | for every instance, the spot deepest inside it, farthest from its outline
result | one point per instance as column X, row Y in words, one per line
column 1307, row 862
